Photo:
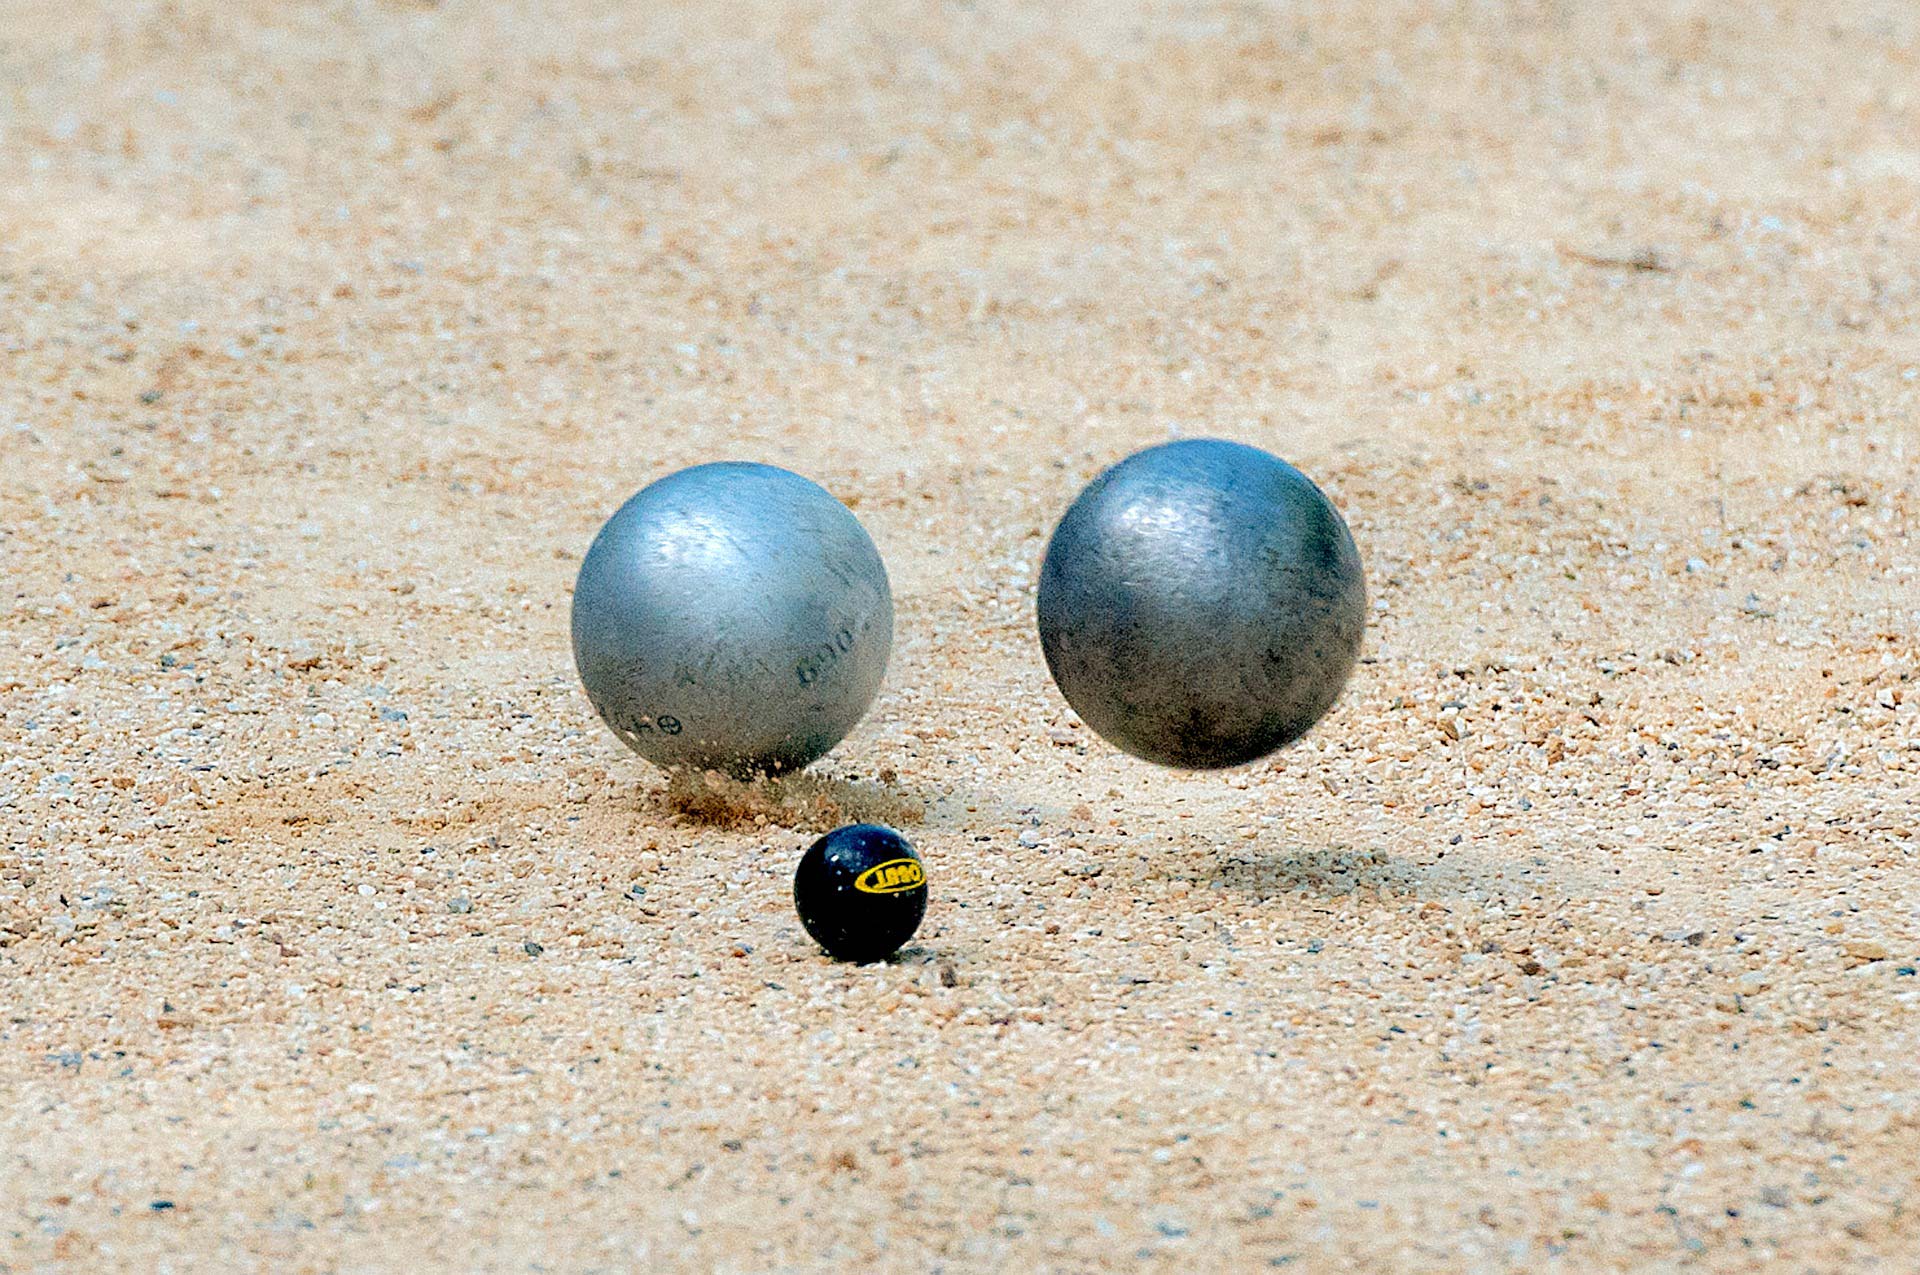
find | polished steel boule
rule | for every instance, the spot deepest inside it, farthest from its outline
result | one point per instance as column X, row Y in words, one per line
column 732, row 617
column 1201, row 604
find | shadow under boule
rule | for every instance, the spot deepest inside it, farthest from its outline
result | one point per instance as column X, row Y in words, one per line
column 1336, row 870
column 805, row 800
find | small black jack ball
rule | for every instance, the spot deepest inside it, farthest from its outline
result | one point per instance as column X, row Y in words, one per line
column 860, row 891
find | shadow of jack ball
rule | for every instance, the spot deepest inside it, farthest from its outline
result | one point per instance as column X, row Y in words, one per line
column 732, row 617
column 1201, row 604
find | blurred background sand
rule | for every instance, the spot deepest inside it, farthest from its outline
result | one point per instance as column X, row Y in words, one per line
column 336, row 934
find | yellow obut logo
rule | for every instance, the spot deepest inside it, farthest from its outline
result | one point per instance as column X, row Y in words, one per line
column 895, row 876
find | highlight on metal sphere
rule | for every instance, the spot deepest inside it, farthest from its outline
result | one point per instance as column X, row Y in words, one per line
column 1201, row 604
column 732, row 617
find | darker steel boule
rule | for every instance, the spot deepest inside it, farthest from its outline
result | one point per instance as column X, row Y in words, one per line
column 732, row 617
column 1201, row 604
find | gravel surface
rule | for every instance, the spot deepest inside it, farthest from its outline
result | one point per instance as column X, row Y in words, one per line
column 337, row 934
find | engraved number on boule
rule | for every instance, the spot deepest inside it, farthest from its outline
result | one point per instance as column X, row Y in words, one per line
column 822, row 657
column 667, row 724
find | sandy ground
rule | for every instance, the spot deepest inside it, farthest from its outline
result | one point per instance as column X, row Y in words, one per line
column 336, row 934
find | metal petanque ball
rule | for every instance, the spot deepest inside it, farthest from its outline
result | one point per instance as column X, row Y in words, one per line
column 732, row 617
column 1201, row 604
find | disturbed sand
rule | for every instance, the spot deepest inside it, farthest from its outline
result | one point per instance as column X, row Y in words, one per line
column 336, row 934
